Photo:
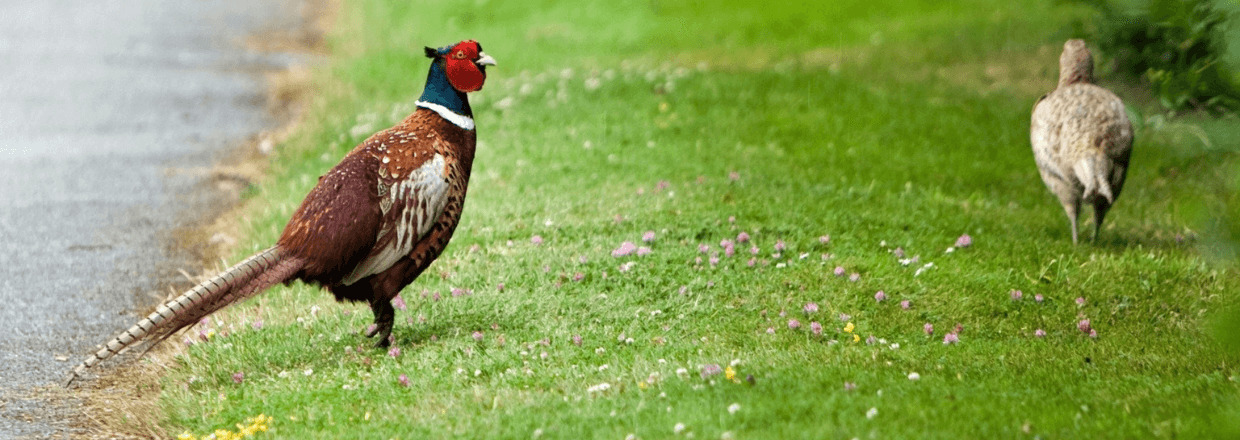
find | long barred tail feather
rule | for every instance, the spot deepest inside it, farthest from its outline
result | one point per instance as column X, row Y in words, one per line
column 246, row 278
column 275, row 273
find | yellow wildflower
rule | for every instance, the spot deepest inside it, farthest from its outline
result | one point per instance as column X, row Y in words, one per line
column 642, row 385
column 856, row 338
column 730, row 373
column 848, row 328
column 256, row 424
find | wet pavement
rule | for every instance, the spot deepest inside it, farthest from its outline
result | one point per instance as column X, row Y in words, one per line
column 109, row 113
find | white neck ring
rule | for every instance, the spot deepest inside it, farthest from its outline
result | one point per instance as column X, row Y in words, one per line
column 457, row 119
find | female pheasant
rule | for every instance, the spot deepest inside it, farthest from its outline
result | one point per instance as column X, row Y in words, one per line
column 1081, row 138
column 371, row 225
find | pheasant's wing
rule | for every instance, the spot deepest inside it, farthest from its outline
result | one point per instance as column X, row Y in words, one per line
column 335, row 225
column 1119, row 144
column 410, row 205
column 1043, row 136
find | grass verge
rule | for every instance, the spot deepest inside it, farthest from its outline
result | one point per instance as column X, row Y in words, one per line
column 891, row 130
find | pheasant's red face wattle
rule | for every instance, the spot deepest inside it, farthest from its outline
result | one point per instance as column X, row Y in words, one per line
column 461, row 64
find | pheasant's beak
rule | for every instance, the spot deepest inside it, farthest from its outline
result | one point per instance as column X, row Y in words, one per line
column 484, row 59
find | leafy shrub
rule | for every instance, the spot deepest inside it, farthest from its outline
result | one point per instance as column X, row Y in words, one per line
column 1177, row 46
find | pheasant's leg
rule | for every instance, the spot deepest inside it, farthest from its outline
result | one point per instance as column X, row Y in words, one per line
column 1100, row 212
column 384, row 315
column 1071, row 208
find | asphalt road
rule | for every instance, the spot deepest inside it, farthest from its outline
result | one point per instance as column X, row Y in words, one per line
column 104, row 106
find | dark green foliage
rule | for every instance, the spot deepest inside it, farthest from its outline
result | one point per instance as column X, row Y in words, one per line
column 1177, row 46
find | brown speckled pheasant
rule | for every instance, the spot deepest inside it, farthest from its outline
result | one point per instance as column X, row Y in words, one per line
column 371, row 225
column 1081, row 138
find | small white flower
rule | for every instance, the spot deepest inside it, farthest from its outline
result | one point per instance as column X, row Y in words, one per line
column 628, row 341
column 599, row 388
column 914, row 376
column 603, row 367
column 314, row 311
column 680, row 427
column 308, row 371
column 283, row 374
column 735, row 362
column 600, row 350
column 682, row 372
column 895, row 346
column 733, row 408
column 872, row 413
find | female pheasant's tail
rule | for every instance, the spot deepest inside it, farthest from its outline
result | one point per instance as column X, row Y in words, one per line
column 248, row 277
column 1094, row 173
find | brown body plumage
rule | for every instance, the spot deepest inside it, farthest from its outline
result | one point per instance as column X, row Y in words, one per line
column 1081, row 139
column 370, row 226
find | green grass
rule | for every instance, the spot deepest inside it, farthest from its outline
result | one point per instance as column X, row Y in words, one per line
column 904, row 125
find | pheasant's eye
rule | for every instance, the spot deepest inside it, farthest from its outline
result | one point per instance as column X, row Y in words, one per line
column 460, row 55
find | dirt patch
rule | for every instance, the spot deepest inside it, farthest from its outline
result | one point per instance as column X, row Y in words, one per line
column 1019, row 72
column 1016, row 72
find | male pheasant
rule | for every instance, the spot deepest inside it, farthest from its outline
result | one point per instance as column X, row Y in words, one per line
column 1081, row 138
column 371, row 225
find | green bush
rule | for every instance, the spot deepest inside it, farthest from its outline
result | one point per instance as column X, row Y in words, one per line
column 1177, row 46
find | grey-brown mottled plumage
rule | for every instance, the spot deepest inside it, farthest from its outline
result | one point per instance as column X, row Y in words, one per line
column 1081, row 139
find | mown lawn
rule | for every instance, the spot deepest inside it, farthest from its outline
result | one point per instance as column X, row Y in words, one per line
column 889, row 127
